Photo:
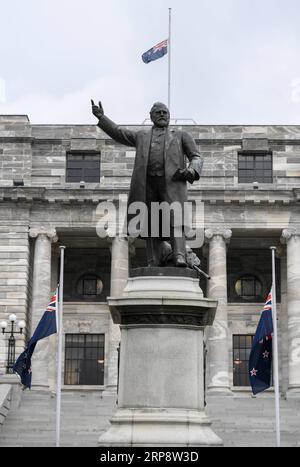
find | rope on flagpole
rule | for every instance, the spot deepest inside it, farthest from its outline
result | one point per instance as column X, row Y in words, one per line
column 275, row 350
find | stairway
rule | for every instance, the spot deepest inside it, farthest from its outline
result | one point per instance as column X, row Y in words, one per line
column 239, row 421
column 84, row 416
column 250, row 421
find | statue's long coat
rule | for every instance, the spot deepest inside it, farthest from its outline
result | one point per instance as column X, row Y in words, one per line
column 178, row 146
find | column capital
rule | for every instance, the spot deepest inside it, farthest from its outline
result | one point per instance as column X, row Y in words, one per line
column 287, row 234
column 218, row 231
column 280, row 251
column 49, row 232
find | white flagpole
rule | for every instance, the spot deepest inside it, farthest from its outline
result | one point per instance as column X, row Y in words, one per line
column 275, row 350
column 59, row 347
column 169, row 62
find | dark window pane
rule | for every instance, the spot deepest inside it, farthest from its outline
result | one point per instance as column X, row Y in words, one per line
column 84, row 364
column 255, row 168
column 248, row 287
column 89, row 286
column 87, row 167
column 241, row 346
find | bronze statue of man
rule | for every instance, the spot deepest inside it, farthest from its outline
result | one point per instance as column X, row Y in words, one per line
column 160, row 172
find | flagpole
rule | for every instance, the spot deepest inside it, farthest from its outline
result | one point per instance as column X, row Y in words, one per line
column 169, row 62
column 59, row 347
column 275, row 350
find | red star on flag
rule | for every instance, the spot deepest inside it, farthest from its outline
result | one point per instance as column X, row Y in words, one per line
column 253, row 372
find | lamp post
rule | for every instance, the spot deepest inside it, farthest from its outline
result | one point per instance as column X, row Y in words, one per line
column 11, row 353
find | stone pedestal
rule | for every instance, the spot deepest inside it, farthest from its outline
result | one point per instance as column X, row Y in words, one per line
column 15, row 383
column 162, row 317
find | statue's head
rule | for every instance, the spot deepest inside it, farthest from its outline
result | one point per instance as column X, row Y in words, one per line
column 160, row 115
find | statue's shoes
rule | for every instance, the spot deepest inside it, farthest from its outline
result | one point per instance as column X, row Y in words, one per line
column 180, row 262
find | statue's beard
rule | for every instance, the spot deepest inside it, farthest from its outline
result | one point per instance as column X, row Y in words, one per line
column 161, row 123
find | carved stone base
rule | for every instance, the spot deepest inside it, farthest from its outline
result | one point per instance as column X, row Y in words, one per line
column 161, row 383
column 161, row 428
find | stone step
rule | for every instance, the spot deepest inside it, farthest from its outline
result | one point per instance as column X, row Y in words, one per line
column 243, row 421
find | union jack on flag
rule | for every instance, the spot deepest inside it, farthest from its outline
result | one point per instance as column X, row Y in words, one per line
column 260, row 361
column 45, row 328
column 157, row 51
column 53, row 303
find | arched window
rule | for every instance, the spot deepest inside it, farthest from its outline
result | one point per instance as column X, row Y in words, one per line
column 248, row 287
column 89, row 285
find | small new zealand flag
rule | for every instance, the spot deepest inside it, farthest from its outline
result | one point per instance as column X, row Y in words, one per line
column 260, row 361
column 45, row 328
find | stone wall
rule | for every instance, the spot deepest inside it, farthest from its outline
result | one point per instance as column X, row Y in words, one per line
column 15, row 149
column 14, row 270
column 37, row 153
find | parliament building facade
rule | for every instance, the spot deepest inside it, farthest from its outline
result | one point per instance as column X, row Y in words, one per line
column 53, row 179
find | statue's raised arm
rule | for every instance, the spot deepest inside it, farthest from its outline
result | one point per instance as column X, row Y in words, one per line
column 97, row 109
column 160, row 174
column 117, row 133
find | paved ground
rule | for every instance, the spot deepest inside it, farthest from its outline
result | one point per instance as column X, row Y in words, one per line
column 239, row 421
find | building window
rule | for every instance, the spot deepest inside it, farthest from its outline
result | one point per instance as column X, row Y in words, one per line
column 89, row 285
column 255, row 168
column 249, row 288
column 83, row 167
column 84, row 359
column 242, row 345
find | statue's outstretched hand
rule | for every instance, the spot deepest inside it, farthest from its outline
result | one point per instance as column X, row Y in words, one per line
column 97, row 109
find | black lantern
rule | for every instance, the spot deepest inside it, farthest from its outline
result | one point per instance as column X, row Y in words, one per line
column 11, row 354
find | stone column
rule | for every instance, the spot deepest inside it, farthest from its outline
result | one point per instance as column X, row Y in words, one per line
column 119, row 277
column 41, row 291
column 292, row 238
column 218, row 352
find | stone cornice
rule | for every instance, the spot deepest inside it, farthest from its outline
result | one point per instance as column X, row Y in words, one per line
column 213, row 196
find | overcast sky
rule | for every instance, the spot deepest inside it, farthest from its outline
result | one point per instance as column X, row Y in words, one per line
column 233, row 61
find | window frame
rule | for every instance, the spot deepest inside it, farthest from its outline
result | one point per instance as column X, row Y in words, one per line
column 79, row 365
column 83, row 176
column 241, row 350
column 255, row 167
column 256, row 281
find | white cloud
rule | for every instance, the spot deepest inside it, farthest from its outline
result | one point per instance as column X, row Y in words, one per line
column 232, row 61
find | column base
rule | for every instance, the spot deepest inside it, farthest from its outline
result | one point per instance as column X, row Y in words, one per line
column 160, row 427
column 41, row 387
column 219, row 391
column 293, row 393
column 110, row 390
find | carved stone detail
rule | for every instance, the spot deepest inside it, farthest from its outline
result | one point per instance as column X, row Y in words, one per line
column 287, row 234
column 218, row 231
column 50, row 232
column 84, row 327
